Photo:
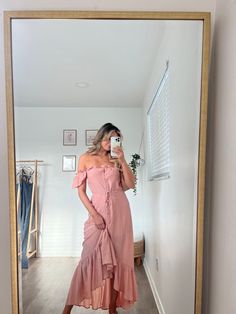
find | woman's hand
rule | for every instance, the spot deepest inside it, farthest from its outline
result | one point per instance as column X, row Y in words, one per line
column 99, row 221
column 120, row 154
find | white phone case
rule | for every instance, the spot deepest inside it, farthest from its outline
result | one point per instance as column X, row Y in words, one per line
column 115, row 141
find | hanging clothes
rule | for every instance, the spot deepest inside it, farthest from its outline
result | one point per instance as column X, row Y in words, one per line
column 26, row 188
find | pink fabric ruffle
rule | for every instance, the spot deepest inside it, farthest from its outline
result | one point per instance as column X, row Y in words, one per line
column 79, row 179
column 91, row 285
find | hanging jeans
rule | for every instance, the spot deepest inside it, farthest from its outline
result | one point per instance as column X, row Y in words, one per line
column 24, row 217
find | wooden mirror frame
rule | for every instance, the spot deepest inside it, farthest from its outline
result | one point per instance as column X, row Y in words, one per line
column 201, row 16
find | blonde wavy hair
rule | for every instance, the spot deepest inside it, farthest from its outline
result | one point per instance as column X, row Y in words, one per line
column 103, row 133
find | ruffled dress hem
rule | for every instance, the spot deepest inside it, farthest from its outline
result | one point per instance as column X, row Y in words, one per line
column 91, row 283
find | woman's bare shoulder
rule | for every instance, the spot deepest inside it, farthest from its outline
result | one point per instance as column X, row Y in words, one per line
column 85, row 160
column 84, row 156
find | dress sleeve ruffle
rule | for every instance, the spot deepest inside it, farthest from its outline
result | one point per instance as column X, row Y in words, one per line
column 79, row 178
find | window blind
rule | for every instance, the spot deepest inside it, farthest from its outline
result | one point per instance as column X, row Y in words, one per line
column 158, row 125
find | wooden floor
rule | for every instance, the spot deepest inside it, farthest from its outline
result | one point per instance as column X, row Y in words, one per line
column 45, row 285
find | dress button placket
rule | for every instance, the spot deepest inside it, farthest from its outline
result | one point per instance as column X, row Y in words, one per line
column 107, row 198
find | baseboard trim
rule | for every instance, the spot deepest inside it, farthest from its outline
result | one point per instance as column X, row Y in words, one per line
column 154, row 289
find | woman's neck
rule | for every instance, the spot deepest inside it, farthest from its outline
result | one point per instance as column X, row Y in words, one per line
column 103, row 153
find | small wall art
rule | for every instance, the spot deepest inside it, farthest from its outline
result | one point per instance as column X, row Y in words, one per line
column 68, row 162
column 89, row 136
column 69, row 137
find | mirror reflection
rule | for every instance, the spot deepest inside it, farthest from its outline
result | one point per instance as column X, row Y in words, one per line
column 70, row 77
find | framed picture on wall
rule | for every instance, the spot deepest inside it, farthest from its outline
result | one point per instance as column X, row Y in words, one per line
column 89, row 136
column 68, row 162
column 69, row 137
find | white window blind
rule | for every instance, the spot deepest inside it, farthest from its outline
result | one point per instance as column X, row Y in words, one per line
column 158, row 125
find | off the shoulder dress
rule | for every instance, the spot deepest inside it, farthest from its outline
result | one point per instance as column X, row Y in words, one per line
column 106, row 253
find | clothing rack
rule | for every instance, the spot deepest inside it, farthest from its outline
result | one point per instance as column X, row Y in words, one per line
column 33, row 219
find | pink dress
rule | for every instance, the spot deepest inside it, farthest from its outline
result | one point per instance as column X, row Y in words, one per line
column 107, row 252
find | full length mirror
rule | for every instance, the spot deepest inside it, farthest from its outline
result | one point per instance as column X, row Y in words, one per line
column 67, row 75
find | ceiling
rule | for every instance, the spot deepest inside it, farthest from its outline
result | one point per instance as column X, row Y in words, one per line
column 114, row 58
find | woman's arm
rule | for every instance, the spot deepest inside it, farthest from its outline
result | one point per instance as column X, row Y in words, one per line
column 97, row 218
column 127, row 176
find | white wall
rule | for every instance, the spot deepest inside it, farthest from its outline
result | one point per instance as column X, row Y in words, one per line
column 170, row 205
column 145, row 5
column 39, row 136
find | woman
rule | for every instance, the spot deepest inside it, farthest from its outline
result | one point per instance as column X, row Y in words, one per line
column 104, row 277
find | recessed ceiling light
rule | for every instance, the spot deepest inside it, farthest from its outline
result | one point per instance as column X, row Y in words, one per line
column 82, row 84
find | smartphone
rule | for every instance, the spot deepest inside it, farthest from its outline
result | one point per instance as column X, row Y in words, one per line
column 115, row 141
